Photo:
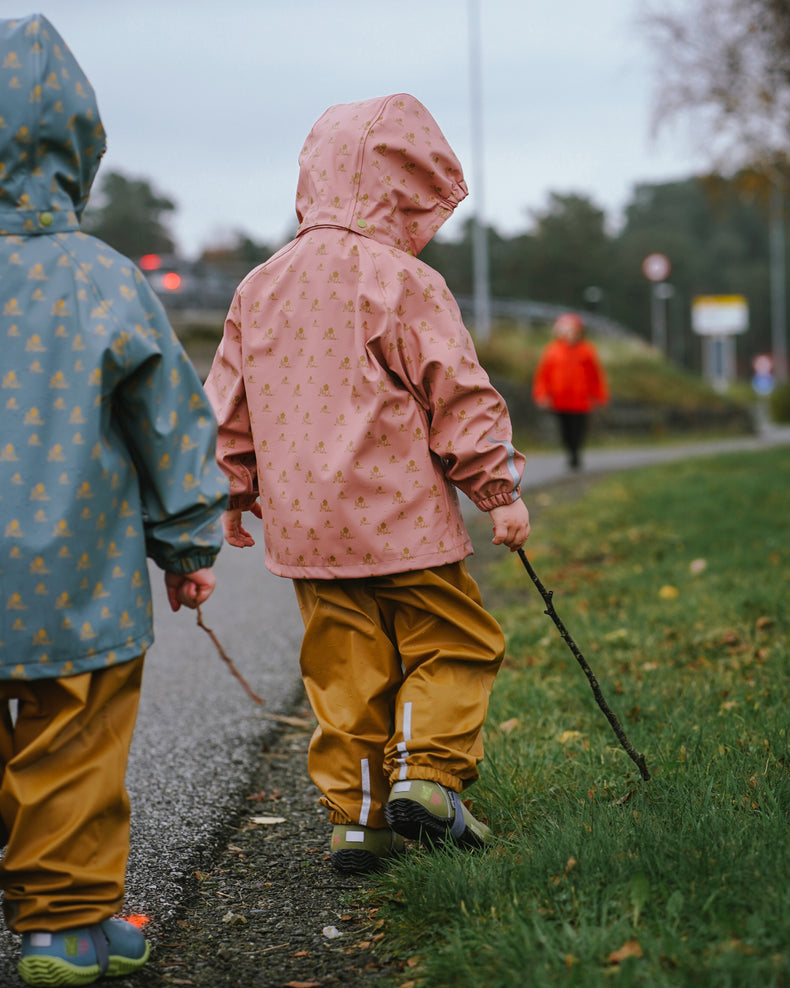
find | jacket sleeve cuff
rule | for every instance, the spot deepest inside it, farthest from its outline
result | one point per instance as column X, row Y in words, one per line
column 188, row 564
column 498, row 500
column 241, row 502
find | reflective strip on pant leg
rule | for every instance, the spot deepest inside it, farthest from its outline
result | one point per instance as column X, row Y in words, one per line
column 403, row 747
column 363, row 813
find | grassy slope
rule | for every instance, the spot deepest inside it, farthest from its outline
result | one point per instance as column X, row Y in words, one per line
column 636, row 371
column 673, row 581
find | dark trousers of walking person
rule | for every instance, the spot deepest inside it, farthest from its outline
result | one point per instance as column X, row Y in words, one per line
column 573, row 432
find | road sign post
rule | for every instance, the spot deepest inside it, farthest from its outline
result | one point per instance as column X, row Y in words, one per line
column 718, row 319
column 656, row 268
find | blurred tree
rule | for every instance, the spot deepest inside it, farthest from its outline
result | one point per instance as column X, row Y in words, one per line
column 774, row 18
column 717, row 242
column 238, row 256
column 569, row 251
column 129, row 215
column 714, row 229
column 453, row 258
column 726, row 65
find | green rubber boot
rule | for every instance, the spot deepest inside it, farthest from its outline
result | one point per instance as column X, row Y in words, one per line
column 432, row 813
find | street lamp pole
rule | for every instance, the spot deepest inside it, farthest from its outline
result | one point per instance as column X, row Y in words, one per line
column 778, row 282
column 479, row 242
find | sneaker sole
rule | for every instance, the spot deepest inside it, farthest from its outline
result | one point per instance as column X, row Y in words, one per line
column 50, row 972
column 53, row 972
column 119, row 966
column 410, row 819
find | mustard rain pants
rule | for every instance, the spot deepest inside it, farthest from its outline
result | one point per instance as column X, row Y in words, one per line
column 64, row 810
column 398, row 670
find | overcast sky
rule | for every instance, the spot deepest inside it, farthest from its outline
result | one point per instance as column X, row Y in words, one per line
column 211, row 99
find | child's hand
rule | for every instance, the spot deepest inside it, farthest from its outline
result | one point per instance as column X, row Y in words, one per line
column 235, row 533
column 189, row 589
column 511, row 525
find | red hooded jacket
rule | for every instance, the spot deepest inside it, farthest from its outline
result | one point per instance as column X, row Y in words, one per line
column 569, row 377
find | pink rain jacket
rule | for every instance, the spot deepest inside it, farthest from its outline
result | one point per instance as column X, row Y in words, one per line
column 347, row 389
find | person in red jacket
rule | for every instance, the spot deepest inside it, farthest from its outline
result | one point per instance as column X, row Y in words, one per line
column 570, row 381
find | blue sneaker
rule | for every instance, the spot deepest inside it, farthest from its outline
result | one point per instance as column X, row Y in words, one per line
column 82, row 955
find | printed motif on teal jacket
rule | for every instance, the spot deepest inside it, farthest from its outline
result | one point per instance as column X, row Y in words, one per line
column 107, row 440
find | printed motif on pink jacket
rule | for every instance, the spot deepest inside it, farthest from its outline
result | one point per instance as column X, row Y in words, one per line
column 347, row 389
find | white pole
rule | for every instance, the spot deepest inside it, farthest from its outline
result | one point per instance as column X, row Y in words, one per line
column 479, row 244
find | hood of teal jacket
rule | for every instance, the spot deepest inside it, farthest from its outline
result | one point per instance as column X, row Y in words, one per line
column 51, row 135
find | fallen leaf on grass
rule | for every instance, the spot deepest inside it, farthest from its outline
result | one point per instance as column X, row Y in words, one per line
column 630, row 948
column 305, row 724
column 567, row 736
column 508, row 725
column 569, row 866
column 668, row 592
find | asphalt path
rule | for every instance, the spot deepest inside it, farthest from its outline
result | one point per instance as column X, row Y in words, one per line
column 199, row 735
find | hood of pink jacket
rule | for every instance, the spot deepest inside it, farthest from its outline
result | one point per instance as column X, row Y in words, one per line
column 381, row 168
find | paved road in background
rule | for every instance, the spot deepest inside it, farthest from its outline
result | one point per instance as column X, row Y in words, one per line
column 198, row 735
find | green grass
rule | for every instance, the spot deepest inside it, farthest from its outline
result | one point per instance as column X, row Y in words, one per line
column 673, row 581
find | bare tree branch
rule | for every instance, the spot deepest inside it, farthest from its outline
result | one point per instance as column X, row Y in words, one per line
column 724, row 65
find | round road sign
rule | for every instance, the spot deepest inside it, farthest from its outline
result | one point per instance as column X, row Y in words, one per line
column 656, row 267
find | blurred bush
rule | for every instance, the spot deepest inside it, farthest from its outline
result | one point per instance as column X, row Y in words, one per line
column 779, row 403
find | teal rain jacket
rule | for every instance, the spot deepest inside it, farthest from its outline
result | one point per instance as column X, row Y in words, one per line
column 107, row 441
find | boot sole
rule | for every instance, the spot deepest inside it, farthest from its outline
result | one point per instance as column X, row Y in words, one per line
column 350, row 860
column 410, row 819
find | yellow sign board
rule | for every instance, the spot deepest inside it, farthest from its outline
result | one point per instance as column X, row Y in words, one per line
column 719, row 315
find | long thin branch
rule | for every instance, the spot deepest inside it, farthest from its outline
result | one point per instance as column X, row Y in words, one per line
column 228, row 660
column 633, row 754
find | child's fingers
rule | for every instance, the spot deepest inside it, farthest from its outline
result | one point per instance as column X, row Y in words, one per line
column 239, row 537
column 513, row 536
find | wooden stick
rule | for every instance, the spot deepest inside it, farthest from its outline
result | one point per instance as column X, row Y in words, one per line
column 633, row 754
column 228, row 660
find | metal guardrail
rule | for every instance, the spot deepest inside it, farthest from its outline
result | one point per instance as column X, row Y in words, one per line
column 523, row 310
